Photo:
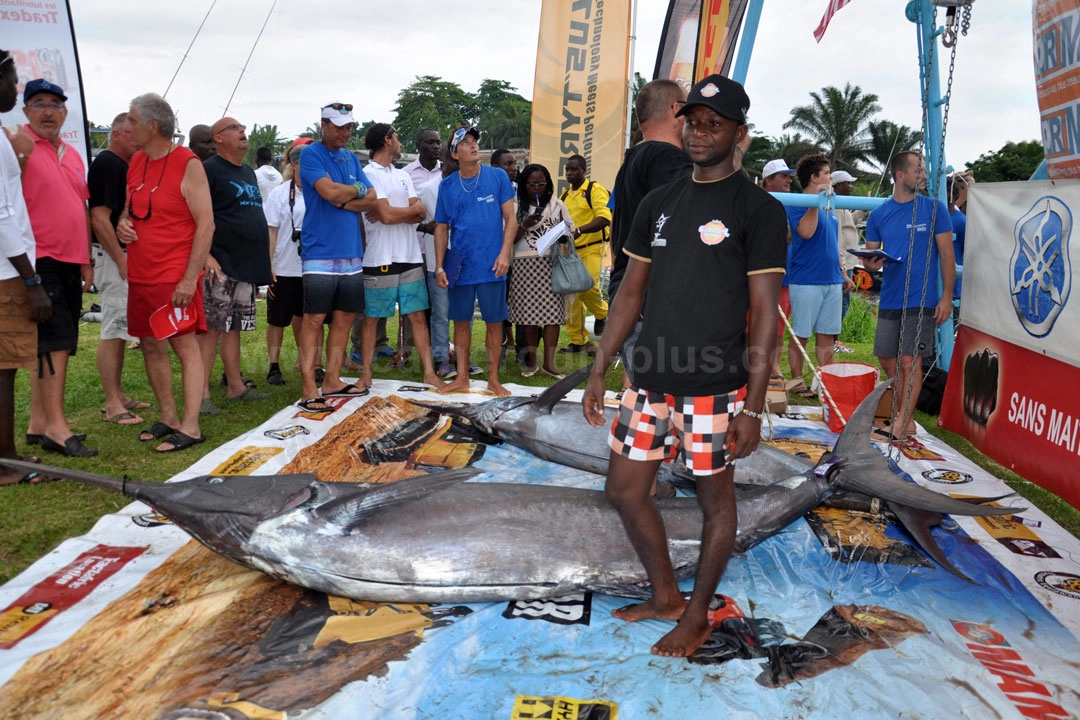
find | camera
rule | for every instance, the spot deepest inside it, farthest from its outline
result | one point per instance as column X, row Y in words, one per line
column 296, row 235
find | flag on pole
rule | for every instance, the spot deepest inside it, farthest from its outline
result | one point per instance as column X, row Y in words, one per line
column 834, row 5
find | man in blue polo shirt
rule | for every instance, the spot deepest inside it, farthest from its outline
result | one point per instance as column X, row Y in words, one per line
column 476, row 209
column 335, row 192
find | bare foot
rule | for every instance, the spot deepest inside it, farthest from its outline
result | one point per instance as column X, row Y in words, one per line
column 432, row 379
column 650, row 610
column 461, row 383
column 687, row 637
column 496, row 387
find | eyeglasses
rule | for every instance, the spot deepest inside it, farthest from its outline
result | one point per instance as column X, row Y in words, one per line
column 539, row 184
column 234, row 126
column 343, row 108
column 40, row 106
column 150, row 197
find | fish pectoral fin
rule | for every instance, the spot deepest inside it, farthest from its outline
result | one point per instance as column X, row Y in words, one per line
column 883, row 483
column 918, row 524
column 547, row 400
column 351, row 511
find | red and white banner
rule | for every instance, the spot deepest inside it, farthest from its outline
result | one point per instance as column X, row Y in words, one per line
column 41, row 38
column 1014, row 383
column 834, row 6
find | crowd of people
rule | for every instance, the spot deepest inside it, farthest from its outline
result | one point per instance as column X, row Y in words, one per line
column 699, row 252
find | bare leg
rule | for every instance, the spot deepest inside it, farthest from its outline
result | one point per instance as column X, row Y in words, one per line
column 308, row 347
column 716, row 495
column 627, row 488
column 275, row 336
column 208, row 345
column 462, row 343
column 47, row 398
column 493, row 343
column 551, row 342
column 795, row 358
column 7, row 424
column 531, row 336
column 187, row 348
column 422, row 342
column 230, row 360
column 908, row 386
column 159, row 373
column 110, row 363
column 824, row 348
column 369, row 327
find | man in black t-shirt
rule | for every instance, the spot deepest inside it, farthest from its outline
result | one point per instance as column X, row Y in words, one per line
column 239, row 259
column 107, row 183
column 706, row 253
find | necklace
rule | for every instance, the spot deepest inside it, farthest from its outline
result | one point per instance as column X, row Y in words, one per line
column 475, row 183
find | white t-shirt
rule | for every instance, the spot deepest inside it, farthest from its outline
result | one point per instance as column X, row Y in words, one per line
column 16, row 236
column 395, row 243
column 429, row 195
column 268, row 179
column 286, row 259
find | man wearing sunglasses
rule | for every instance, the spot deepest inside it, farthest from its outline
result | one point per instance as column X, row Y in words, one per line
column 54, row 186
column 239, row 259
column 335, row 192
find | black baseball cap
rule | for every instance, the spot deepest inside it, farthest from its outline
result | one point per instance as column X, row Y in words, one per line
column 720, row 94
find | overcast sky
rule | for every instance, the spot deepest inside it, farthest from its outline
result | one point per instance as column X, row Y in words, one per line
column 318, row 51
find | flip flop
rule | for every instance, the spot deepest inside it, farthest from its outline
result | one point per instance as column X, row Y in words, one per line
column 250, row 394
column 156, row 431
column 349, row 390
column 30, row 478
column 133, row 404
column 35, row 438
column 125, row 419
column 72, row 447
column 180, row 441
column 307, row 404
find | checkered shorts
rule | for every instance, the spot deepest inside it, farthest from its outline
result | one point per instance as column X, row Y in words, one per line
column 654, row 426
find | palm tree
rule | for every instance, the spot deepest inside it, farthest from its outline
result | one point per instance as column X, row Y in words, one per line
column 887, row 139
column 837, row 120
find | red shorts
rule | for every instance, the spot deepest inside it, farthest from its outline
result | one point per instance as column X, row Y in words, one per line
column 655, row 426
column 144, row 299
column 785, row 307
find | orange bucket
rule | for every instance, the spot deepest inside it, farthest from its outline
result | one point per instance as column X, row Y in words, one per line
column 849, row 384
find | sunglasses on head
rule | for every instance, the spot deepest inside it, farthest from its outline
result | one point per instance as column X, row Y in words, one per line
column 343, row 108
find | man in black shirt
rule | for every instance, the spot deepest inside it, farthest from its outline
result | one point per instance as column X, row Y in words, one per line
column 703, row 253
column 239, row 259
column 107, row 182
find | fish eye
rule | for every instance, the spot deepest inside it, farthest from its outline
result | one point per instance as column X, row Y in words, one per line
column 215, row 480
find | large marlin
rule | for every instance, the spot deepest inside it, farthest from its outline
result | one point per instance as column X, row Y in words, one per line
column 436, row 538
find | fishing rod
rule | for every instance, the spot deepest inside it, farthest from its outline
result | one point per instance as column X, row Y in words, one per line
column 244, row 69
column 166, row 93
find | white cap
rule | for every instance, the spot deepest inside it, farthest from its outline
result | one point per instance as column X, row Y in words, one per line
column 339, row 116
column 842, row 176
column 776, row 166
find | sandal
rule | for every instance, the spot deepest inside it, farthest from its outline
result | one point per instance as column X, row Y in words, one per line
column 155, row 432
column 125, row 418
column 30, row 478
column 309, row 405
column 349, row 390
column 180, row 441
column 798, row 388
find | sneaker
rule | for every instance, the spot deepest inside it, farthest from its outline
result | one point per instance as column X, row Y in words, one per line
column 274, row 377
column 320, row 375
column 384, row 351
column 356, row 357
column 572, row 348
column 445, row 370
column 841, row 347
column 598, row 327
column 474, row 370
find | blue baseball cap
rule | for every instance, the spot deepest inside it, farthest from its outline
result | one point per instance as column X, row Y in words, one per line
column 40, row 85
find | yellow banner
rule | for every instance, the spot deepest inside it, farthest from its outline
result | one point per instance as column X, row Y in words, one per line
column 720, row 22
column 579, row 95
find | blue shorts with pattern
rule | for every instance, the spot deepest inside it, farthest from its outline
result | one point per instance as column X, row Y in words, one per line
column 388, row 287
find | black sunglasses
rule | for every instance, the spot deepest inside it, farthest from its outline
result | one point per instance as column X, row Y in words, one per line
column 342, row 108
column 150, row 198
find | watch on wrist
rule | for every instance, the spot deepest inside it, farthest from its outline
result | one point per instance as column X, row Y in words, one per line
column 439, row 270
column 31, row 282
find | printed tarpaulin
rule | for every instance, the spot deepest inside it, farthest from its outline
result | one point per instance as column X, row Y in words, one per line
column 837, row 615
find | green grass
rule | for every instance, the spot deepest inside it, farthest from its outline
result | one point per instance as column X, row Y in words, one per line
column 34, row 519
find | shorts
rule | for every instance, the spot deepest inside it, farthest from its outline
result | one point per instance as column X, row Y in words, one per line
column 144, row 299
column 388, row 286
column 229, row 303
column 816, row 309
column 63, row 282
column 333, row 285
column 490, row 295
column 284, row 301
column 112, row 295
column 18, row 333
column 785, row 307
column 654, row 426
column 918, row 336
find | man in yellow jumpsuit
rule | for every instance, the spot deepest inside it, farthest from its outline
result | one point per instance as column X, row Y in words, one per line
column 587, row 201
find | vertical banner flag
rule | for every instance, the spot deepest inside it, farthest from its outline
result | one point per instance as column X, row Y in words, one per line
column 698, row 39
column 1014, row 381
column 41, row 38
column 1057, row 72
column 834, row 6
column 579, row 94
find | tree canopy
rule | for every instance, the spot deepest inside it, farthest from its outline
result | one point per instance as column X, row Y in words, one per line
column 837, row 121
column 1014, row 161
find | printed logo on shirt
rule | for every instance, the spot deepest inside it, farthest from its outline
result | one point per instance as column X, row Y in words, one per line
column 660, row 222
column 714, row 232
column 249, row 192
column 485, row 198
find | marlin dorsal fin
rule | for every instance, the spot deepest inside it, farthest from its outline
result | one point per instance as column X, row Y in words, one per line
column 547, row 400
column 349, row 512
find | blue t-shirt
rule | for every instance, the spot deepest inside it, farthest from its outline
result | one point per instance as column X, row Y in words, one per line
column 959, row 228
column 814, row 260
column 890, row 225
column 329, row 233
column 473, row 209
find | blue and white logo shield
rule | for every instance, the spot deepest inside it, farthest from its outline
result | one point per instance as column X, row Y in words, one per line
column 1040, row 268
